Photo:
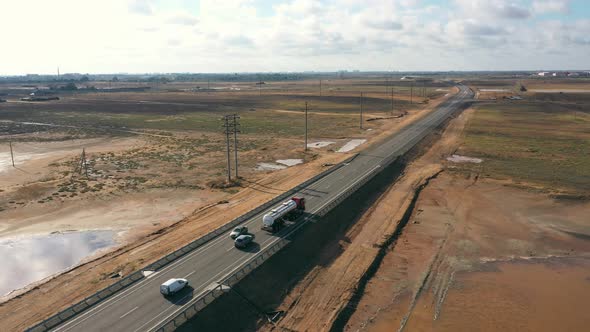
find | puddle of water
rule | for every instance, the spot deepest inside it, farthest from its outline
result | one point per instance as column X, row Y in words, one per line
column 463, row 159
column 320, row 144
column 29, row 259
column 351, row 145
column 290, row 162
column 269, row 167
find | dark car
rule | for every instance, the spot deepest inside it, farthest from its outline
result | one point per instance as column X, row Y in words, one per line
column 243, row 240
column 238, row 231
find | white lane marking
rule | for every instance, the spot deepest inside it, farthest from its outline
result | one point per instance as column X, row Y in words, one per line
column 220, row 238
column 272, row 239
column 275, row 239
column 130, row 311
column 230, row 248
column 188, row 275
column 137, row 286
column 207, row 283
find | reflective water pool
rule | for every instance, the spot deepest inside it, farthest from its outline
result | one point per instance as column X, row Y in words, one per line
column 28, row 259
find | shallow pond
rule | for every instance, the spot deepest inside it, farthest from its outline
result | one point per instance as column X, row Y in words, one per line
column 27, row 259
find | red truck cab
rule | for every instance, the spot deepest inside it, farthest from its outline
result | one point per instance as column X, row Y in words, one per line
column 300, row 201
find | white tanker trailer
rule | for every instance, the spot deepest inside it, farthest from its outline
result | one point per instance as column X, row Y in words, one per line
column 275, row 219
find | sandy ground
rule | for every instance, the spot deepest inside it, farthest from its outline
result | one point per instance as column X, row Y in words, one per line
column 315, row 302
column 120, row 211
column 560, row 90
column 150, row 241
column 474, row 253
column 59, row 292
column 32, row 158
column 482, row 254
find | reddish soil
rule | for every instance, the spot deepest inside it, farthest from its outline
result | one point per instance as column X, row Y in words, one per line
column 150, row 242
column 465, row 233
column 316, row 301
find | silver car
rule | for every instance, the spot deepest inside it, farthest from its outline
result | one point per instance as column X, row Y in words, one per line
column 238, row 231
column 243, row 240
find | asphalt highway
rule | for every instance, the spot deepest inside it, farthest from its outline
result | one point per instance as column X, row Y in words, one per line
column 141, row 307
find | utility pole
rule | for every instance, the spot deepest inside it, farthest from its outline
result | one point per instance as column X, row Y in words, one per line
column 227, row 131
column 305, row 126
column 391, row 99
column 84, row 163
column 208, row 84
column 236, row 130
column 11, row 154
column 412, row 93
column 320, row 88
column 361, row 104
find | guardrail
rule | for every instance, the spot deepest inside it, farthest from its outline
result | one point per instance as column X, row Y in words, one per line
column 234, row 277
column 103, row 294
column 248, row 215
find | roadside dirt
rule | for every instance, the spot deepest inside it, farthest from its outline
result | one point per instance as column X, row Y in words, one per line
column 315, row 303
column 473, row 253
column 150, row 241
column 58, row 292
column 478, row 253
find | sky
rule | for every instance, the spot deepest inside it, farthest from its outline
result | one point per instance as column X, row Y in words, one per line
column 206, row 36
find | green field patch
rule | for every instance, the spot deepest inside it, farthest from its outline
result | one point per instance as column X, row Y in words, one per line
column 536, row 142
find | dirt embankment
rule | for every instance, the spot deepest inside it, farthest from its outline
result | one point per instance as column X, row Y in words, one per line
column 478, row 253
column 148, row 244
column 326, row 292
column 473, row 253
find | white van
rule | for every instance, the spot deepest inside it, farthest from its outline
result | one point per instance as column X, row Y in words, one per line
column 172, row 286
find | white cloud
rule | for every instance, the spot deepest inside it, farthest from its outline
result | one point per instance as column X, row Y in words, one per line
column 500, row 9
column 143, row 7
column 182, row 18
column 551, row 6
column 234, row 35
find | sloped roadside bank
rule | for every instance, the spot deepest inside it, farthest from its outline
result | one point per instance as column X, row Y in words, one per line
column 281, row 281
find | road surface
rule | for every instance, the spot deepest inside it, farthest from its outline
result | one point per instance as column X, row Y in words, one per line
column 141, row 307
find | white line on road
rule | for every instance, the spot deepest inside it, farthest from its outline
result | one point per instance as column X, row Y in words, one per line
column 188, row 275
column 130, row 311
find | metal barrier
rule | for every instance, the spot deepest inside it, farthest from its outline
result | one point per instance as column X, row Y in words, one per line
column 234, row 277
column 89, row 301
column 101, row 295
column 250, row 265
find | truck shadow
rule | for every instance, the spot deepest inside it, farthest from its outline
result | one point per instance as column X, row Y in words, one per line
column 318, row 243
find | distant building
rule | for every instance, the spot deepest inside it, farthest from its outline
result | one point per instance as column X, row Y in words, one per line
column 544, row 73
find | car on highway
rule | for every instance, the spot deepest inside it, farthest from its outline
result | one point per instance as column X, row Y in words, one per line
column 238, row 231
column 173, row 286
column 243, row 240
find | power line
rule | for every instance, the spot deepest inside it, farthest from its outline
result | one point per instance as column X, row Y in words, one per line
column 305, row 126
column 361, row 107
column 11, row 154
column 84, row 162
column 392, row 99
column 231, row 124
column 236, row 131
